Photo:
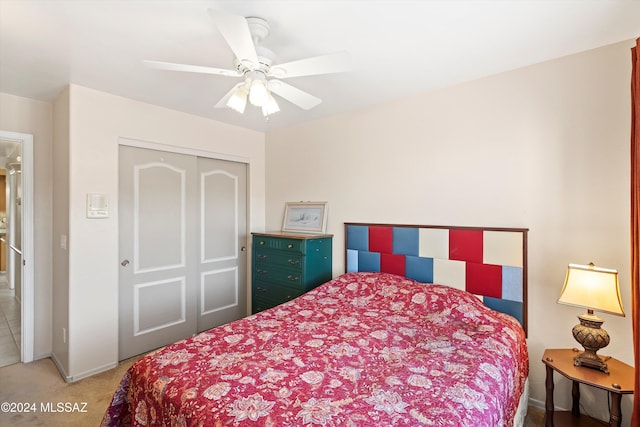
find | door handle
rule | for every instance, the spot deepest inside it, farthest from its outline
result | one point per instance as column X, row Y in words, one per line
column 124, row 263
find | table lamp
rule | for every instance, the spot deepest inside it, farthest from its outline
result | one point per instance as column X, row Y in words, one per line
column 595, row 289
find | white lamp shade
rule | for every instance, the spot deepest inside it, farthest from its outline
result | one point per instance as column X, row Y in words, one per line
column 258, row 93
column 238, row 100
column 593, row 288
column 270, row 107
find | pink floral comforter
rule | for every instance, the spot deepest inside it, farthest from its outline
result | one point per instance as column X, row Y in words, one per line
column 365, row 349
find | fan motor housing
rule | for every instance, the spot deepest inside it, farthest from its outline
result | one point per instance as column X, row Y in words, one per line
column 265, row 59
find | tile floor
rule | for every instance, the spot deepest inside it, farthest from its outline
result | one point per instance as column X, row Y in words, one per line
column 10, row 331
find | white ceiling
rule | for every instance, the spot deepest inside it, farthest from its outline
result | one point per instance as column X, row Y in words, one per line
column 398, row 48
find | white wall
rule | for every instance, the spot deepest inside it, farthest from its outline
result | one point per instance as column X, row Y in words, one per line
column 97, row 120
column 544, row 147
column 33, row 117
column 61, row 174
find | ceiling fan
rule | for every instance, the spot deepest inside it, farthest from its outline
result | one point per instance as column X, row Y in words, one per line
column 254, row 64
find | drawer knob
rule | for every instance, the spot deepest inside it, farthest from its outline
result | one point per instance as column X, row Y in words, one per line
column 262, row 242
column 292, row 278
column 294, row 261
column 262, row 257
column 289, row 246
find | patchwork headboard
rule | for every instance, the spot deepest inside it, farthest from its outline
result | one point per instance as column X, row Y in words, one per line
column 488, row 262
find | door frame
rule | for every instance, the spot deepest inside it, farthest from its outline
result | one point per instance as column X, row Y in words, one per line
column 28, row 290
column 183, row 150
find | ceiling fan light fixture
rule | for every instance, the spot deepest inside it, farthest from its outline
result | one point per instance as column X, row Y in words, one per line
column 238, row 100
column 258, row 93
column 270, row 107
column 254, row 63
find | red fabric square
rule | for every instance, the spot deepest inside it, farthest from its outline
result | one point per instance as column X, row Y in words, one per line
column 394, row 264
column 484, row 279
column 381, row 239
column 466, row 245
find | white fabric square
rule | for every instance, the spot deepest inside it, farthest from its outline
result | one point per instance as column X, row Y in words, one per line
column 503, row 248
column 434, row 243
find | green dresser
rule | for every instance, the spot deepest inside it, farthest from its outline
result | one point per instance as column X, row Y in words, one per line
column 286, row 266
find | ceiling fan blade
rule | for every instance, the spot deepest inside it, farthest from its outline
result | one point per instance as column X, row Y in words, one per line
column 223, row 102
column 235, row 31
column 325, row 64
column 294, row 95
column 191, row 68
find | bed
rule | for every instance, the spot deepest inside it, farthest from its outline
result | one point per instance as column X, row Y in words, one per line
column 366, row 348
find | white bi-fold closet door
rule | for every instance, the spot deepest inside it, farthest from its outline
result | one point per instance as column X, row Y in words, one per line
column 182, row 234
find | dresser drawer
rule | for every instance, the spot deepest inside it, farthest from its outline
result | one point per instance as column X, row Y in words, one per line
column 273, row 274
column 278, row 243
column 260, row 304
column 276, row 292
column 278, row 259
column 267, row 295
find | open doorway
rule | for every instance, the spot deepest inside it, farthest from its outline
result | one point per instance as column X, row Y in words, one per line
column 16, row 248
column 10, row 252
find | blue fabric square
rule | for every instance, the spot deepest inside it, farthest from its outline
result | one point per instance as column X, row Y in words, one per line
column 406, row 241
column 420, row 269
column 358, row 237
column 512, row 308
column 369, row 261
column 512, row 286
column 352, row 261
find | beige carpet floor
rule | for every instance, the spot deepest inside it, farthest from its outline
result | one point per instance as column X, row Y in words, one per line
column 40, row 383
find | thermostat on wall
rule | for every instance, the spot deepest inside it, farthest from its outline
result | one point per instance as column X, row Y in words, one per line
column 97, row 205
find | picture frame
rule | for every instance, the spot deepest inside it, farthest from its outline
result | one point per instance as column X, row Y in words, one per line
column 305, row 217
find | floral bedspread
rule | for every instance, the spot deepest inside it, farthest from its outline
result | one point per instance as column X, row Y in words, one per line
column 365, row 349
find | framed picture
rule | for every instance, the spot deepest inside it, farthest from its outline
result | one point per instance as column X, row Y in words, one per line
column 305, row 217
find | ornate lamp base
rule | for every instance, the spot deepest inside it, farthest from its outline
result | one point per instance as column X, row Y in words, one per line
column 592, row 337
column 591, row 361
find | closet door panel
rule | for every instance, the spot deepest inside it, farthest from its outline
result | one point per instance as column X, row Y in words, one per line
column 223, row 237
column 158, row 202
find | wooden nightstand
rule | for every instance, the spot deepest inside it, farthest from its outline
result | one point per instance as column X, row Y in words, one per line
column 619, row 381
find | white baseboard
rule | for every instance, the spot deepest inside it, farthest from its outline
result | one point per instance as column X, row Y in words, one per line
column 540, row 404
column 41, row 356
column 73, row 378
column 91, row 372
column 536, row 403
column 61, row 370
